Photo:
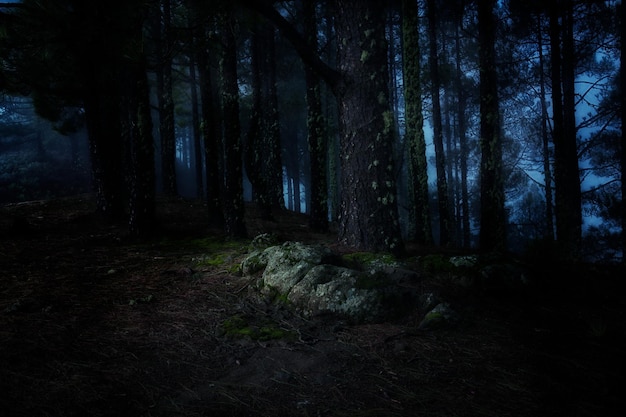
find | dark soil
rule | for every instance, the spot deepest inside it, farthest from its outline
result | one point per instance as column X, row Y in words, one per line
column 95, row 324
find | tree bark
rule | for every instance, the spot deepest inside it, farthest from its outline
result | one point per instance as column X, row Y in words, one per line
column 492, row 212
column 566, row 177
column 622, row 77
column 139, row 122
column 463, row 145
column 166, row 105
column 316, row 134
column 440, row 159
column 369, row 217
column 211, row 135
column 418, row 166
column 547, row 169
column 232, row 198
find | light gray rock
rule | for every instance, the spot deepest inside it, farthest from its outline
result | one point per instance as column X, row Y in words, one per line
column 305, row 276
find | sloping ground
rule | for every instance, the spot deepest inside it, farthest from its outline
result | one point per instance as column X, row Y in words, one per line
column 94, row 324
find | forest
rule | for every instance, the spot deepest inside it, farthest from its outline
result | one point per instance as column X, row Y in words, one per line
column 493, row 126
column 312, row 208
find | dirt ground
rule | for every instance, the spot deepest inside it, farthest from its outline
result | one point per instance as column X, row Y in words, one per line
column 94, row 324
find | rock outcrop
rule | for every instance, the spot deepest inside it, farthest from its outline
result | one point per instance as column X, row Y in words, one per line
column 313, row 281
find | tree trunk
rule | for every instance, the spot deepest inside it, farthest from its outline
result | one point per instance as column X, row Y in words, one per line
column 565, row 179
column 547, row 170
column 418, row 166
column 263, row 150
column 272, row 122
column 622, row 76
column 317, row 141
column 463, row 146
column 195, row 117
column 166, row 104
column 571, row 234
column 211, row 136
column 233, row 203
column 256, row 153
column 139, row 123
column 492, row 212
column 440, row 159
column 369, row 216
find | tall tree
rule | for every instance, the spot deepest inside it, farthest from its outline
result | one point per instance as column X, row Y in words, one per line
column 165, row 99
column 263, row 148
column 440, row 159
column 418, row 167
column 232, row 198
column 492, row 213
column 195, row 109
column 138, row 132
column 210, row 116
column 566, row 173
column 622, row 86
column 462, row 98
column 369, row 215
column 316, row 134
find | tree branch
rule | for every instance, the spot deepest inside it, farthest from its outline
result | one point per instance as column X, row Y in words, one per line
column 308, row 54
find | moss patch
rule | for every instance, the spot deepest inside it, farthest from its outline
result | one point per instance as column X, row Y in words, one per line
column 363, row 260
column 436, row 263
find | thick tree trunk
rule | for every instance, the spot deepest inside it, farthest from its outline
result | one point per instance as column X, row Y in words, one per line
column 418, row 166
column 492, row 213
column 233, row 203
column 369, row 216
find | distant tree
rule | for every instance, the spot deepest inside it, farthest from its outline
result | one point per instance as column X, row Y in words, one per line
column 195, row 106
column 418, row 167
column 138, row 133
column 206, row 50
column 232, row 197
column 492, row 214
column 263, row 147
column 88, row 54
column 622, row 89
column 463, row 95
column 316, row 134
column 165, row 99
column 440, row 159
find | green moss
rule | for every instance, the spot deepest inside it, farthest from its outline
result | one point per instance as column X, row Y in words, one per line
column 362, row 260
column 212, row 260
column 436, row 263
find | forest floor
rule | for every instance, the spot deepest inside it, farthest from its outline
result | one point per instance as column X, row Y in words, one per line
column 94, row 324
